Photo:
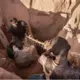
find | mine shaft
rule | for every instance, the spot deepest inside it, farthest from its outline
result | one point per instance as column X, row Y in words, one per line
column 39, row 39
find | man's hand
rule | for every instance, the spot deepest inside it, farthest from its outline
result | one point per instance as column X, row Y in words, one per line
column 47, row 45
column 30, row 35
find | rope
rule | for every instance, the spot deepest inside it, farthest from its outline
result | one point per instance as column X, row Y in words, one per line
column 45, row 45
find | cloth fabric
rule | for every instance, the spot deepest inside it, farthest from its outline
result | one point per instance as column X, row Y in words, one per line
column 25, row 56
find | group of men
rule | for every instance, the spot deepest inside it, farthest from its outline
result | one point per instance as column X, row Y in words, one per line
column 53, row 60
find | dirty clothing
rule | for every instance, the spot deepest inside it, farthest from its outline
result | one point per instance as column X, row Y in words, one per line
column 25, row 56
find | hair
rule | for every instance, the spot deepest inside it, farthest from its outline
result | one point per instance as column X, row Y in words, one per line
column 14, row 19
column 19, row 45
column 59, row 45
column 11, row 44
column 21, row 29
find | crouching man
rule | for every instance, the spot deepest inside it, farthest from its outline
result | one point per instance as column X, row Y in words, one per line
column 23, row 55
column 55, row 64
column 53, row 61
